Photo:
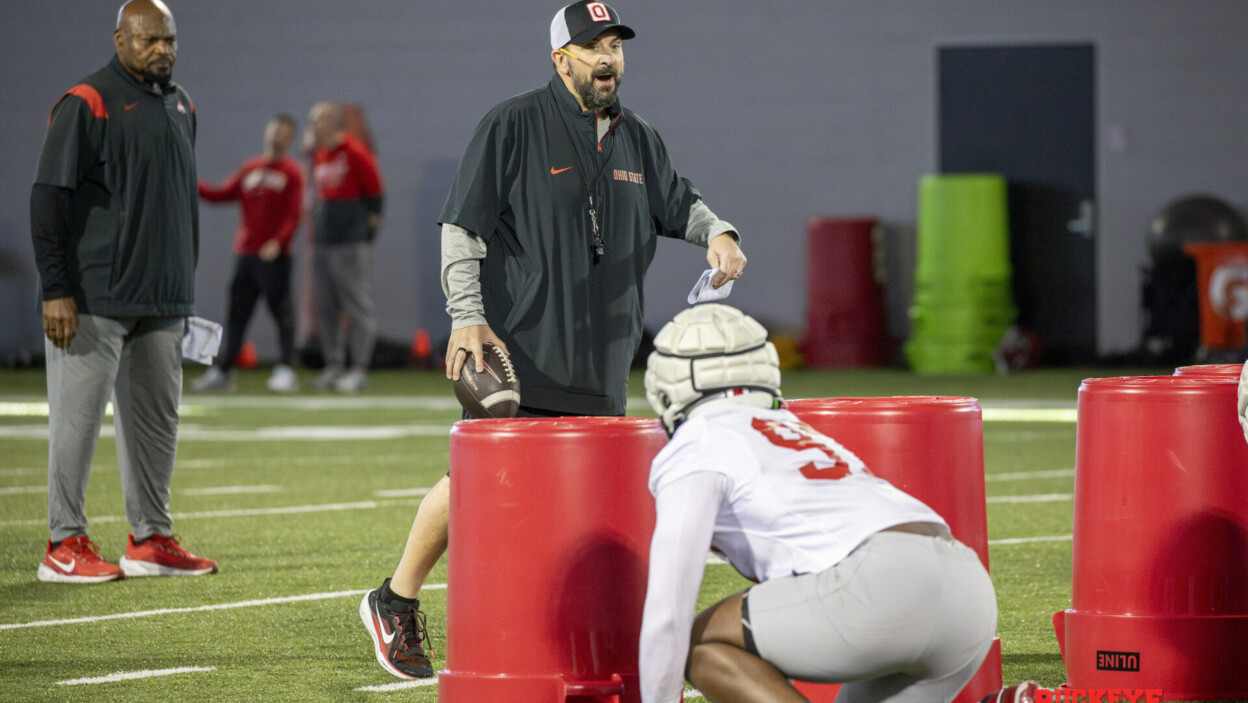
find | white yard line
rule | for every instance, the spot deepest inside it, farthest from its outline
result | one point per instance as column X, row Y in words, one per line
column 198, row 433
column 230, row 490
column 201, row 463
column 339, row 459
column 22, row 490
column 202, row 608
column 280, row 461
column 1027, row 404
column 711, row 559
column 415, row 683
column 328, row 402
column 1030, row 540
column 1030, row 414
column 389, row 503
column 1028, row 475
column 130, row 675
column 40, row 409
column 401, row 493
column 245, row 512
column 1044, row 433
column 24, row 471
column 196, row 404
column 327, row 433
column 1041, row 498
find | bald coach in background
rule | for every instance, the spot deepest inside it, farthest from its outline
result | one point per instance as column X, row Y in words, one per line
column 115, row 224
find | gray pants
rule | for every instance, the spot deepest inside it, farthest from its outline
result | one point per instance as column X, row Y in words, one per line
column 904, row 618
column 137, row 361
column 343, row 276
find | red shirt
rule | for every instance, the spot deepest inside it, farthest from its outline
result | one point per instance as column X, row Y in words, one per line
column 346, row 172
column 271, row 193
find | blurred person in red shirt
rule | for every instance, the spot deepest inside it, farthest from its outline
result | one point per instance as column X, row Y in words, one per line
column 270, row 189
column 347, row 217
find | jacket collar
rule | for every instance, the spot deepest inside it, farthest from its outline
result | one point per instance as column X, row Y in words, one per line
column 567, row 101
column 115, row 64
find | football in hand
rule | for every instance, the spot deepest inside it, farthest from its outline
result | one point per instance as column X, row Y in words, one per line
column 494, row 392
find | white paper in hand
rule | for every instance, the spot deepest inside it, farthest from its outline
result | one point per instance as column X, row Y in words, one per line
column 200, row 340
column 703, row 292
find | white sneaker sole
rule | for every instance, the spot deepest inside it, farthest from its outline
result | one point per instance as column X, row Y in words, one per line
column 366, row 615
column 49, row 575
column 138, row 569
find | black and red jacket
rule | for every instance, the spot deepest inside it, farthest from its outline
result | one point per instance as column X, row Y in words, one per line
column 124, row 241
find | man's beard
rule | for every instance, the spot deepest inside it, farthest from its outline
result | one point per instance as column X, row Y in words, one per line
column 158, row 76
column 589, row 94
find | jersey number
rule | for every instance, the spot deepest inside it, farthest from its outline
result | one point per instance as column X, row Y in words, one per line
column 800, row 436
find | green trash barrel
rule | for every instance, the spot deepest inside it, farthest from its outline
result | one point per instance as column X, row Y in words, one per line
column 963, row 302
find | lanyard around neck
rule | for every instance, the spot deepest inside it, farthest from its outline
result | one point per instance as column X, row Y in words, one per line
column 598, row 243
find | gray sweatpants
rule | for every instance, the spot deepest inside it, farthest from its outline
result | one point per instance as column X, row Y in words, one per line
column 904, row 618
column 343, row 282
column 138, row 362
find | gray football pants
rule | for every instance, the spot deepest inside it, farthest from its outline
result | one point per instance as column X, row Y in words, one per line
column 137, row 361
column 904, row 618
column 343, row 282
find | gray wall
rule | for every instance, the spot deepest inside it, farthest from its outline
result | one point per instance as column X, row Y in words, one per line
column 777, row 111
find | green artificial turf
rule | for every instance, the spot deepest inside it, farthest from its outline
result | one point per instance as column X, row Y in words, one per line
column 338, row 534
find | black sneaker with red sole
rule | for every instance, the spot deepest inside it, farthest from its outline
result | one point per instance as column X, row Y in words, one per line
column 400, row 639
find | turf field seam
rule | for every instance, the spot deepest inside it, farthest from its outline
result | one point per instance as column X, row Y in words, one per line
column 131, row 675
column 202, row 608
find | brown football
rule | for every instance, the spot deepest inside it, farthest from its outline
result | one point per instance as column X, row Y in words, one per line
column 495, row 392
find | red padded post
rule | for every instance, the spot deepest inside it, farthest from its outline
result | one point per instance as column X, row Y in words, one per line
column 550, row 530
column 932, row 448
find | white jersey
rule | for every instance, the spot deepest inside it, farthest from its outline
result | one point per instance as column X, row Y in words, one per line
column 769, row 493
column 798, row 501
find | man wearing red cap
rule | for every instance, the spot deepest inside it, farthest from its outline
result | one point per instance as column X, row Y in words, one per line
column 552, row 220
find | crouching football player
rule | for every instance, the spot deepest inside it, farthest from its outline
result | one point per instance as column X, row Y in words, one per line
column 857, row 582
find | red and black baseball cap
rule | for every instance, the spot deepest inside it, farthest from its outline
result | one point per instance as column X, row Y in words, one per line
column 583, row 21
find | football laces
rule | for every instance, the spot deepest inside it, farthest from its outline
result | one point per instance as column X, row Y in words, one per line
column 508, row 370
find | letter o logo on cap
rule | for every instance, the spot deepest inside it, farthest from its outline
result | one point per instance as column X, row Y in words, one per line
column 598, row 12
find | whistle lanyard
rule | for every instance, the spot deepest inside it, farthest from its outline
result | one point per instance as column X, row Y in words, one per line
column 598, row 242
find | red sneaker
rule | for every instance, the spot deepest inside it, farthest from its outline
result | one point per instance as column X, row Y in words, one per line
column 76, row 560
column 163, row 556
column 1024, row 692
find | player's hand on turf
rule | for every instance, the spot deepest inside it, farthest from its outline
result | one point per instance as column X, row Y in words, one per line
column 60, row 321
column 725, row 254
column 469, row 340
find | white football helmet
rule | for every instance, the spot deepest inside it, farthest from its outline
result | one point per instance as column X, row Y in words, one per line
column 710, row 353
